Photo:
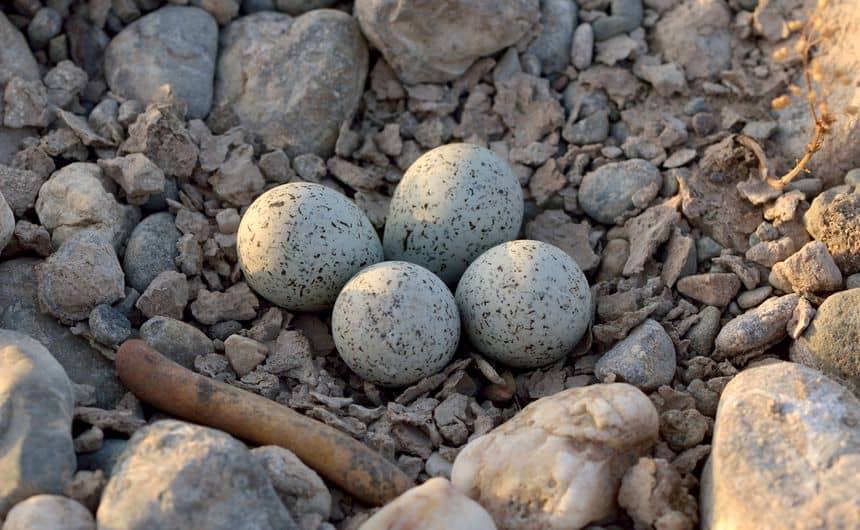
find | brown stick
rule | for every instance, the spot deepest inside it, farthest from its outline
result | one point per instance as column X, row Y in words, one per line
column 342, row 460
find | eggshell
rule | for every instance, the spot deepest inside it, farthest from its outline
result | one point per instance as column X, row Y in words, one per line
column 395, row 323
column 453, row 203
column 299, row 243
column 524, row 303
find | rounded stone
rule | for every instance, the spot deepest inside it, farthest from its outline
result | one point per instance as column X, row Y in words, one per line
column 831, row 343
column 607, row 193
column 395, row 323
column 174, row 45
column 49, row 512
column 108, row 325
column 453, row 203
column 177, row 340
column 151, row 250
column 44, row 26
column 299, row 243
column 645, row 359
column 524, row 303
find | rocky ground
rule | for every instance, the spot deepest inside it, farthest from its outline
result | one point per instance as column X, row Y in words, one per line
column 135, row 134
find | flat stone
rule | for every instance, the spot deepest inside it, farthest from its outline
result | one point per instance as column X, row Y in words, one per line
column 37, row 454
column 680, row 258
column 829, row 343
column 645, row 359
column 557, row 228
column 188, row 464
column 784, row 453
column 647, row 231
column 711, row 288
column 757, row 329
column 292, row 81
column 587, row 435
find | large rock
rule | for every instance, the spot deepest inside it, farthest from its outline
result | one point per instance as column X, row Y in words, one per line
column 434, row 505
column 210, row 479
column 80, row 275
column 49, row 512
column 176, row 46
column 559, row 462
column 785, row 453
column 16, row 60
column 426, row 42
column 76, row 199
column 19, row 310
column 837, row 60
column 151, row 250
column 36, row 404
column 696, row 35
column 292, row 81
column 645, row 359
column 830, row 343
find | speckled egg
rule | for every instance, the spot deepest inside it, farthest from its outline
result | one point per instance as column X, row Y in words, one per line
column 299, row 243
column 524, row 303
column 452, row 204
column 395, row 323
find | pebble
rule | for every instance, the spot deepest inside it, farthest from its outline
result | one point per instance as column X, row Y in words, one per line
column 434, row 505
column 49, row 512
column 37, row 402
column 608, row 192
column 175, row 46
column 424, row 45
column 592, row 129
column 236, row 303
column 75, row 200
column 137, row 175
column 695, row 35
column 553, row 43
column 655, row 496
column 20, row 310
column 238, row 180
column 703, row 333
column 680, row 258
column 109, row 326
column 559, row 462
column 160, row 133
column 683, row 429
column 44, row 26
column 301, row 490
column 835, row 221
column 853, row 281
column 557, row 228
column 809, row 270
column 176, row 340
column 829, row 344
column 668, row 80
column 754, row 297
column 769, row 253
column 83, row 273
column 711, row 288
column 626, row 16
column 757, row 329
column 7, row 223
column 188, row 464
column 166, row 295
column 244, row 354
column 583, row 46
column 645, row 359
column 105, row 458
column 293, row 81
column 777, row 421
column 151, row 250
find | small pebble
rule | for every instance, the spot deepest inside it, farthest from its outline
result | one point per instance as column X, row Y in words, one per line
column 109, row 326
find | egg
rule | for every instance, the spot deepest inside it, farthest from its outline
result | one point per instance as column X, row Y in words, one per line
column 395, row 323
column 453, row 203
column 524, row 303
column 299, row 243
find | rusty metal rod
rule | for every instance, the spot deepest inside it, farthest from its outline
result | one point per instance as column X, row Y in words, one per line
column 346, row 462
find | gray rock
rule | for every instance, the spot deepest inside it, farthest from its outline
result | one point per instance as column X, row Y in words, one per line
column 757, row 329
column 711, row 288
column 809, row 270
column 553, row 44
column 36, row 404
column 19, row 310
column 830, row 343
column 785, row 453
column 297, row 7
column 20, row 187
column 176, row 46
column 137, row 175
column 211, row 479
column 49, row 512
column 161, row 134
column 424, row 44
column 151, row 250
column 103, row 459
column 301, row 490
column 589, row 130
column 44, row 26
column 696, row 36
column 26, row 104
column 177, row 340
column 83, row 273
column 293, row 81
column 607, row 193
column 582, row 51
column 10, row 139
column 166, row 295
column 703, row 333
column 16, row 60
column 626, row 16
column 109, row 326
column 7, row 223
column 645, row 359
